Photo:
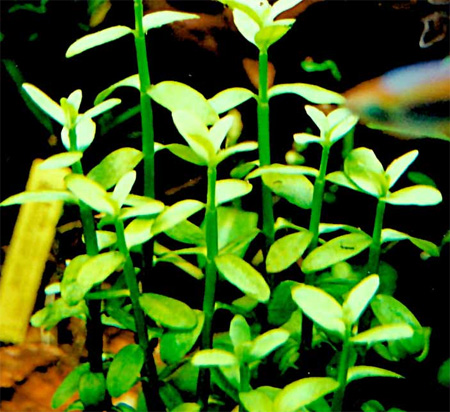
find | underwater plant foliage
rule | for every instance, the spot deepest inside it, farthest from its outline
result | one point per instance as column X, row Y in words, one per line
column 255, row 246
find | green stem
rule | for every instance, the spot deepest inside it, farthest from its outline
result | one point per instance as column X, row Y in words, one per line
column 264, row 147
column 319, row 188
column 342, row 375
column 348, row 142
column 375, row 247
column 210, row 281
column 149, row 374
column 244, row 373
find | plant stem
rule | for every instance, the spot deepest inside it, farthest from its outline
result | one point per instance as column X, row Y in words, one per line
column 244, row 373
column 210, row 281
column 375, row 247
column 342, row 374
column 150, row 386
column 264, row 147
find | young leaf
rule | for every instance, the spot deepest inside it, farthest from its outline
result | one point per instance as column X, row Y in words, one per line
column 169, row 312
column 243, row 276
column 281, row 305
column 341, row 179
column 239, row 331
column 383, row 333
column 312, row 93
column 124, row 370
column 131, row 81
column 92, row 388
column 399, row 166
column 336, row 250
column 69, row 386
column 176, row 214
column 287, row 250
column 85, row 131
column 256, row 401
column 138, row 231
column 358, row 298
column 123, row 187
column 268, row 342
column 39, row 196
column 344, row 125
column 186, row 153
column 230, row 98
column 174, row 345
column 320, row 307
column 187, row 232
column 306, row 138
column 45, row 103
column 70, row 291
column 53, row 313
column 75, row 99
column 187, row 407
column 102, row 108
column 388, row 235
column 61, row 160
column 238, row 148
column 302, row 392
column 318, row 117
column 96, row 39
column 91, row 193
column 246, row 25
column 152, row 207
column 178, row 96
column 229, row 189
column 109, row 171
column 359, row 372
column 219, row 131
column 213, row 357
column 160, row 18
column 271, row 33
column 415, row 195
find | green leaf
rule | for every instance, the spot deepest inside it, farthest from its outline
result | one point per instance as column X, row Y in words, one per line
column 91, row 193
column 287, row 250
column 359, row 297
column 306, row 138
column 75, row 99
column 61, row 160
column 271, row 33
column 186, row 153
column 388, row 235
column 96, row 39
column 268, row 342
column 344, row 125
column 246, row 25
column 187, row 232
column 175, row 214
column 131, row 81
column 213, row 357
column 312, row 93
column 125, row 370
column 174, row 345
column 320, row 307
column 230, row 98
column 92, row 388
column 138, row 231
column 283, row 169
column 69, row 386
column 115, row 165
column 238, row 148
column 219, row 131
column 178, row 96
column 318, row 117
column 45, row 103
column 53, row 313
column 281, row 305
column 302, row 392
column 399, row 166
column 102, row 107
column 84, row 131
column 160, row 18
column 415, row 195
column 123, row 187
column 182, row 264
column 364, row 169
column 281, row 6
column 256, row 401
column 443, row 373
column 187, row 407
column 243, row 276
column 152, row 207
column 70, row 291
column 296, row 189
column 169, row 312
column 421, row 179
column 339, row 178
column 359, row 372
column 229, row 189
column 382, row 333
column 240, row 332
column 336, row 250
column 39, row 196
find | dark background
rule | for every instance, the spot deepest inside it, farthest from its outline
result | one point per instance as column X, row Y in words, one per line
column 364, row 38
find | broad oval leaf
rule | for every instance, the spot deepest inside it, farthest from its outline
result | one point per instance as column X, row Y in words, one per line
column 341, row 179
column 238, row 148
column 383, row 333
column 124, row 370
column 175, row 214
column 61, row 160
column 91, row 193
column 115, row 165
column 85, row 131
column 287, row 250
column 169, row 312
column 306, row 138
column 178, row 96
column 336, row 250
column 96, row 39
column 246, row 25
column 69, row 386
column 70, row 290
column 359, row 372
column 415, row 195
column 45, row 103
column 160, row 18
column 321, row 307
column 213, row 357
column 256, row 401
column 243, row 276
column 399, row 166
column 310, row 92
column 39, row 196
column 268, row 342
column 388, row 235
column 92, row 388
column 186, row 153
column 344, row 126
column 102, row 108
column 230, row 98
column 240, row 332
column 271, row 33
column 229, row 189
column 302, row 392
column 359, row 297
column 138, row 231
column 219, row 131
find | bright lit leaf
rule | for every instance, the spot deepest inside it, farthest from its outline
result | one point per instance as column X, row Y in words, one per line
column 310, row 92
column 270, row 34
column 92, row 388
column 398, row 167
column 240, row 332
column 359, row 297
column 318, row 117
column 219, row 131
column 306, row 138
column 69, row 386
column 39, row 196
column 61, row 160
column 246, row 25
column 256, row 401
column 186, row 153
column 266, row 343
column 361, row 372
column 229, row 189
column 383, row 333
column 131, row 81
column 230, row 98
column 160, row 18
column 213, row 357
column 102, row 108
column 238, row 148
column 415, row 195
column 45, row 103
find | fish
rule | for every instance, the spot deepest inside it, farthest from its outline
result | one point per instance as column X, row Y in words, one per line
column 407, row 102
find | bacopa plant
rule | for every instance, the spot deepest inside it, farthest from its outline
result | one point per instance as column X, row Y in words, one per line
column 330, row 298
